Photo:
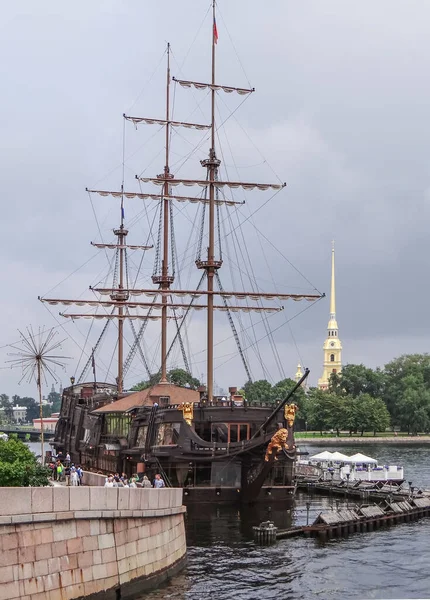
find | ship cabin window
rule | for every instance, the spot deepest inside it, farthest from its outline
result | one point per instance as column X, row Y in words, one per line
column 164, row 400
column 168, row 434
column 230, row 432
column 331, row 357
column 238, row 432
column 141, row 436
column 203, row 430
column 219, row 433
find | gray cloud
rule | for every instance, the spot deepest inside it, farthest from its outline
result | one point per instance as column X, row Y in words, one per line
column 340, row 113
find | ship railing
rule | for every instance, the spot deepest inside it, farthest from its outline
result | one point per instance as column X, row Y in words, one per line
column 220, row 404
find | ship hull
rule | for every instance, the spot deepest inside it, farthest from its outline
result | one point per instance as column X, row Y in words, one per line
column 218, row 457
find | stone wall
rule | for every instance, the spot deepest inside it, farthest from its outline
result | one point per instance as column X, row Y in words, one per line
column 61, row 543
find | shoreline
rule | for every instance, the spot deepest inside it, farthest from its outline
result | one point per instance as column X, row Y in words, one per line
column 369, row 441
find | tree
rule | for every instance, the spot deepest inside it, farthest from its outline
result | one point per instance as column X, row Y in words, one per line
column 183, row 378
column 176, row 376
column 7, row 405
column 258, row 391
column 407, row 391
column 19, row 467
column 358, row 379
column 325, row 410
column 365, row 413
column 143, row 385
column 412, row 409
column 55, row 400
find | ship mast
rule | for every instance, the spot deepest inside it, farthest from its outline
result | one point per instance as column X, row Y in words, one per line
column 120, row 294
column 212, row 165
column 165, row 279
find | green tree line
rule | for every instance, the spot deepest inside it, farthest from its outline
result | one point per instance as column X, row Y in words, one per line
column 360, row 398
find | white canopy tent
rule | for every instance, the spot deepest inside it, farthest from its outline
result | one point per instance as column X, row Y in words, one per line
column 339, row 457
column 322, row 456
column 362, row 459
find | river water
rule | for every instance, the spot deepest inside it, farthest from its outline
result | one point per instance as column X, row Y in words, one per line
column 224, row 563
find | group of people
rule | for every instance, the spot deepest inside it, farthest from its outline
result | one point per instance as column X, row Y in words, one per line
column 63, row 470
column 122, row 481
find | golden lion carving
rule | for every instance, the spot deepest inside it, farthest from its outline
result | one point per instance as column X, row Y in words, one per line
column 290, row 413
column 277, row 443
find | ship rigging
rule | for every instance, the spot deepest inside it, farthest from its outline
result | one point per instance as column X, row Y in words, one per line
column 124, row 308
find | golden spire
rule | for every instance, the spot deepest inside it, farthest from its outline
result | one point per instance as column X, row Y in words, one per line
column 332, row 345
column 332, row 324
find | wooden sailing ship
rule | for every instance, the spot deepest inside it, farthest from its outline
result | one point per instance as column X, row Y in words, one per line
column 217, row 448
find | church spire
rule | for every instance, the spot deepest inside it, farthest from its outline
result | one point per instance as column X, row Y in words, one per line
column 333, row 289
column 332, row 345
column 332, row 324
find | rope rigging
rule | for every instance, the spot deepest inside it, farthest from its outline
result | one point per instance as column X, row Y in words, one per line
column 181, row 344
column 233, row 328
column 157, row 261
column 178, row 333
column 88, row 363
column 136, row 346
column 172, row 238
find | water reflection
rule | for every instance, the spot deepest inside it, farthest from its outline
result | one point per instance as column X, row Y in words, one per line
column 224, row 563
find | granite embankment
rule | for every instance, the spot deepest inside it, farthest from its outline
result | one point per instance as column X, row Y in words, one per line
column 324, row 440
column 61, row 543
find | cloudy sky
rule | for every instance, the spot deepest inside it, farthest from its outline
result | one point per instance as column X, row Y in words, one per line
column 339, row 113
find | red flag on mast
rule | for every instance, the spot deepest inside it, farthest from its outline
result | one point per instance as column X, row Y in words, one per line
column 215, row 32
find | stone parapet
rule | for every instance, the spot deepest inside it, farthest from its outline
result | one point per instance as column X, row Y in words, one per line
column 24, row 501
column 65, row 543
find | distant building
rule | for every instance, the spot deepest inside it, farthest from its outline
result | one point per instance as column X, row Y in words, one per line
column 299, row 373
column 19, row 414
column 332, row 345
column 49, row 423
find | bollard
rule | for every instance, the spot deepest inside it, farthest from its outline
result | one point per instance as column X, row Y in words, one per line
column 265, row 533
column 322, row 535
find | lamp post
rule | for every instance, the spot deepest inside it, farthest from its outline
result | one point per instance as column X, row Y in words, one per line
column 347, row 489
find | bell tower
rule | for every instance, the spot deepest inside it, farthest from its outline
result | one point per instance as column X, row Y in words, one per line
column 332, row 345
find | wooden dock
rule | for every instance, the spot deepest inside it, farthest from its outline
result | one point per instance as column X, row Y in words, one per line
column 343, row 522
column 362, row 490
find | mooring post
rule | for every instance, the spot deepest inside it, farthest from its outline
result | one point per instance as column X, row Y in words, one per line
column 308, row 506
column 265, row 533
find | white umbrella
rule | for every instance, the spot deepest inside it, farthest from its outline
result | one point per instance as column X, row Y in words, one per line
column 362, row 458
column 326, row 455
